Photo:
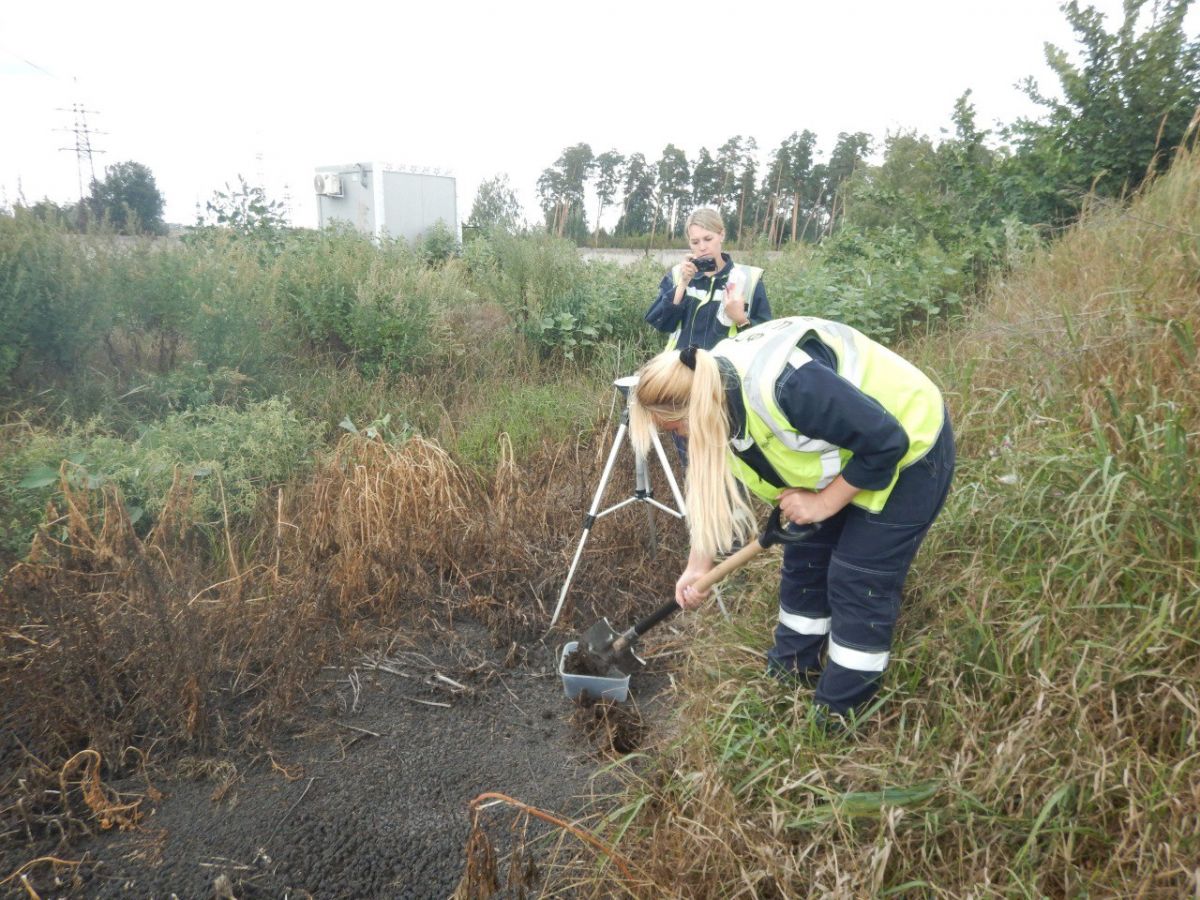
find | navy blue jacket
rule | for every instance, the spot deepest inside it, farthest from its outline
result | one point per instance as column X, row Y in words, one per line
column 700, row 325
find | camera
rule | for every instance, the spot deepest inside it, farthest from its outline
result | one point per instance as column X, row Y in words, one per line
column 705, row 264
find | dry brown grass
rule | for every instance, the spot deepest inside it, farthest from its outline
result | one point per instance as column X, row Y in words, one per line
column 386, row 523
column 115, row 640
column 482, row 878
column 185, row 641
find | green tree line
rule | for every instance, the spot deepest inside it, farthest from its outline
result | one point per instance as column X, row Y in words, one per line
column 1119, row 112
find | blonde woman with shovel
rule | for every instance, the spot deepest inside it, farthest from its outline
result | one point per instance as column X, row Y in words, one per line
column 835, row 429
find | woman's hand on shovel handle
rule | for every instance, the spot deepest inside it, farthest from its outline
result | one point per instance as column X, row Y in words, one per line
column 685, row 594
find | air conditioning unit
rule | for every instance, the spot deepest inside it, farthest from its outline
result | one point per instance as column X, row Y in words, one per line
column 328, row 184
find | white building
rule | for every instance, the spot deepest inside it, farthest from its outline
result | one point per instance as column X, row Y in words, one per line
column 386, row 201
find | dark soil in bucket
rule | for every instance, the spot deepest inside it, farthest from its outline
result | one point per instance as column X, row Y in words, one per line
column 582, row 661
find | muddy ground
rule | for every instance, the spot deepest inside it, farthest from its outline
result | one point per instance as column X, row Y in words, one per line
column 370, row 798
column 368, row 795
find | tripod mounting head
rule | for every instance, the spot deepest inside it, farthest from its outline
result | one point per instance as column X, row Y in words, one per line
column 624, row 384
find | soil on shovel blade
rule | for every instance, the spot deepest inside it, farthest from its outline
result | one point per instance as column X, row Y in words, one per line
column 371, row 798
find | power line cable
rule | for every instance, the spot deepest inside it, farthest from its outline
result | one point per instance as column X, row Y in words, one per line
column 31, row 65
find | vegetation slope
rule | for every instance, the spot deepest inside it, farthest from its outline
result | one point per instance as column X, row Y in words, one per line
column 1037, row 731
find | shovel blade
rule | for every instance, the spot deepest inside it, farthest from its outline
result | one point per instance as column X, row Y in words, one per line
column 599, row 640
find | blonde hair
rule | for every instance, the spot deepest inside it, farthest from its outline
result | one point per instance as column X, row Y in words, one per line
column 671, row 392
column 706, row 218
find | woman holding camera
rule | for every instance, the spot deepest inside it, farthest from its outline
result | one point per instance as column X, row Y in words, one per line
column 834, row 428
column 708, row 297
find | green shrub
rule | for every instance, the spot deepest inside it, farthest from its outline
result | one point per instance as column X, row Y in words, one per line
column 881, row 282
column 397, row 324
column 605, row 306
column 205, row 301
column 380, row 305
column 566, row 308
column 233, row 456
column 438, row 245
column 531, row 273
column 318, row 284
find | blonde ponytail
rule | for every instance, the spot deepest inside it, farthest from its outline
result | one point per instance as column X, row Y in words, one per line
column 669, row 391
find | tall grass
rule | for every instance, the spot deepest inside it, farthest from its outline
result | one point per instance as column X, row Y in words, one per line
column 143, row 311
column 462, row 351
column 1037, row 732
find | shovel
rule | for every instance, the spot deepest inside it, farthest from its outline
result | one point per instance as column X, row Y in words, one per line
column 615, row 650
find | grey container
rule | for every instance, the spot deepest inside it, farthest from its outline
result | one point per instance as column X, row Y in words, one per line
column 596, row 686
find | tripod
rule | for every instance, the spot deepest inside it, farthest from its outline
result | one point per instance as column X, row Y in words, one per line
column 642, row 491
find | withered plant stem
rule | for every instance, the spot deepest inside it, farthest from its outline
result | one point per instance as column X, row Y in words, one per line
column 584, row 835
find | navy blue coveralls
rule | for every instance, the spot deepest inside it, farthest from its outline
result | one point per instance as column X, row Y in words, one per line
column 700, row 327
column 851, row 573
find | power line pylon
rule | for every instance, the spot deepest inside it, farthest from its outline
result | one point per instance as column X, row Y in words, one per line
column 84, row 151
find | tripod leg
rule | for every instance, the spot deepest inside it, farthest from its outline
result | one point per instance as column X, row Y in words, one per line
column 642, row 477
column 662, row 458
column 590, row 519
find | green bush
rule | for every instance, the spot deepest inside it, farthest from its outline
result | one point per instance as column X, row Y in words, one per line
column 530, row 274
column 438, row 245
column 233, row 456
column 317, row 284
column 568, row 309
column 397, row 324
column 379, row 305
column 133, row 308
column 605, row 306
column 205, row 301
column 882, row 282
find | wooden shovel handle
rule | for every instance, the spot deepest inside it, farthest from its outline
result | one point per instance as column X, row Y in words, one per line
column 703, row 583
column 775, row 533
column 728, row 565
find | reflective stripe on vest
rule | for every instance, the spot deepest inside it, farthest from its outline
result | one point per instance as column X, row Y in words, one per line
column 751, row 276
column 759, row 355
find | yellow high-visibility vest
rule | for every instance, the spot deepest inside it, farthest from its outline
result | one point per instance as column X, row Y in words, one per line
column 759, row 355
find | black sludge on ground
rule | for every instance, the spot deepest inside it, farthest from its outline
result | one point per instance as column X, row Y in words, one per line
column 361, row 815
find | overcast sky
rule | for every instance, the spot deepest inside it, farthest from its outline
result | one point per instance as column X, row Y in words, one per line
column 203, row 92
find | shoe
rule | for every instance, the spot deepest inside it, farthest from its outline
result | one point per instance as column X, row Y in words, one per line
column 828, row 722
column 799, row 678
